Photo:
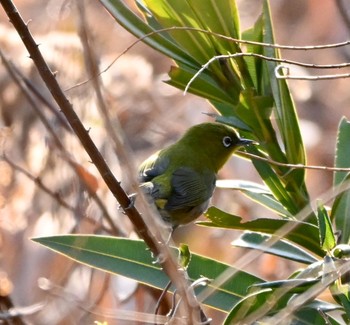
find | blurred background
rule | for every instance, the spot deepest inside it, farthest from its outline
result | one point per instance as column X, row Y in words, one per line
column 46, row 190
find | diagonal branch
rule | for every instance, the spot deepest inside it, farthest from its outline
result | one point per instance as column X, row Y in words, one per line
column 190, row 307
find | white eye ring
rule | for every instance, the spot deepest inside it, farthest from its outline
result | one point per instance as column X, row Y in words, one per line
column 227, row 141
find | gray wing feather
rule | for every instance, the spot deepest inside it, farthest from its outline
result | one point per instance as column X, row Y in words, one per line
column 151, row 169
column 190, row 188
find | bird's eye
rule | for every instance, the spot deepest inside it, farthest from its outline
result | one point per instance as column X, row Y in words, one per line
column 227, row 141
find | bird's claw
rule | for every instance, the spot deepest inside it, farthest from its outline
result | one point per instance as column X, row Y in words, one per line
column 132, row 199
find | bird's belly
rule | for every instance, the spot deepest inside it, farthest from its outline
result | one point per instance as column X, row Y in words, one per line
column 184, row 215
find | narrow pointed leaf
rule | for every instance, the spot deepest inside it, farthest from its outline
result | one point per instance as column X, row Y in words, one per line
column 291, row 285
column 341, row 206
column 204, row 86
column 131, row 258
column 311, row 314
column 327, row 238
column 234, row 121
column 281, row 248
column 342, row 152
column 180, row 13
column 257, row 193
column 248, row 305
column 273, row 181
column 285, row 110
column 303, row 234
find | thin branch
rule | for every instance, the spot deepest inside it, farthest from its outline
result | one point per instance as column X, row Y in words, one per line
column 13, row 315
column 293, row 166
column 280, row 75
column 228, row 38
column 267, row 58
column 167, row 261
column 240, row 41
column 73, row 119
column 114, row 131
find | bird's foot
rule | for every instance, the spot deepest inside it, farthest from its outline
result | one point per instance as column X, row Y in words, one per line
column 132, row 199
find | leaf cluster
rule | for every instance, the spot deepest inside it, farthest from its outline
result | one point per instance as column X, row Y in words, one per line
column 245, row 94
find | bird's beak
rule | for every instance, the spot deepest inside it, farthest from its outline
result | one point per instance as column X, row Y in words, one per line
column 246, row 142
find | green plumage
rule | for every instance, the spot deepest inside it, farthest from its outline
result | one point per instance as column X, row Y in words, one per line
column 181, row 178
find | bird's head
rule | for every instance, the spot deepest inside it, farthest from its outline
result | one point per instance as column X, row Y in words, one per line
column 214, row 141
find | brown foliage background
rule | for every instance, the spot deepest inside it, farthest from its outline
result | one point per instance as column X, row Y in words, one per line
column 147, row 115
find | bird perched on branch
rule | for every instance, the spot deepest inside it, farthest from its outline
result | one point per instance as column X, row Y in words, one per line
column 180, row 179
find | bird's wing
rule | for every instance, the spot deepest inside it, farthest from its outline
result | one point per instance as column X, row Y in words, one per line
column 190, row 189
column 152, row 167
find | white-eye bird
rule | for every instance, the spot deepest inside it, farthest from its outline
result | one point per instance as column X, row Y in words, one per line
column 180, row 179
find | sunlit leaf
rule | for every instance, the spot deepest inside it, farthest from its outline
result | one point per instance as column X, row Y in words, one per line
column 301, row 233
column 131, row 258
column 327, row 238
column 256, row 192
column 341, row 206
column 281, row 248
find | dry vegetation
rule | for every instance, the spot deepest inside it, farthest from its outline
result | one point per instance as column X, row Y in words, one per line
column 48, row 185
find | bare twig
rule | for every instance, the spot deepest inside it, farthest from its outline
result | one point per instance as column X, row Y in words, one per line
column 191, row 307
column 13, row 315
column 228, row 38
column 292, row 166
column 267, row 58
column 286, row 75
column 121, row 146
column 239, row 41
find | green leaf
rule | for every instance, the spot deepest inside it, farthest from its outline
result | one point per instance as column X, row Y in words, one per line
column 342, row 152
column 327, row 238
column 206, row 15
column 242, row 185
column 341, row 294
column 265, row 301
column 311, row 314
column 341, row 206
column 131, row 258
column 290, row 285
column 248, row 305
column 181, row 13
column 258, row 193
column 303, row 234
column 274, row 182
column 234, row 121
column 254, row 64
column 285, row 113
column 184, row 255
column 204, row 85
column 281, row 248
